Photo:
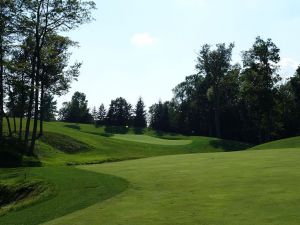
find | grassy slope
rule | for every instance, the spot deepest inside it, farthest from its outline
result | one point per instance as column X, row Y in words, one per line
column 74, row 189
column 293, row 142
column 106, row 147
column 250, row 187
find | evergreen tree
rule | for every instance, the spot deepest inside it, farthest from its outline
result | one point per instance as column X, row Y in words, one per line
column 101, row 115
column 140, row 119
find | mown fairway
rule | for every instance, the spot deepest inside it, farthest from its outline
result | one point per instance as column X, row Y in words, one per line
column 252, row 187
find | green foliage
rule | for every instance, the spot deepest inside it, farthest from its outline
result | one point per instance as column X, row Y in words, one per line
column 119, row 113
column 76, row 111
column 140, row 114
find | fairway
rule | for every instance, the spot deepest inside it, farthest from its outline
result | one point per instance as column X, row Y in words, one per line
column 251, row 187
column 150, row 140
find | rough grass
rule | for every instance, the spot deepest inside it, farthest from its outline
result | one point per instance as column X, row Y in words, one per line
column 74, row 189
column 250, row 187
column 64, row 143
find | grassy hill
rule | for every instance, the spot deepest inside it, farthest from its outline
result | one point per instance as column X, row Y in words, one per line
column 72, row 144
column 293, row 142
column 220, row 186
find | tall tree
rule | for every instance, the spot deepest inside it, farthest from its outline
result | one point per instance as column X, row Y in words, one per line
column 7, row 16
column 140, row 119
column 101, row 115
column 42, row 18
column 119, row 112
column 214, row 65
column 76, row 111
column 258, row 89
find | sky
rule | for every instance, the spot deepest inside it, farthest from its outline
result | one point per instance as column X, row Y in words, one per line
column 144, row 48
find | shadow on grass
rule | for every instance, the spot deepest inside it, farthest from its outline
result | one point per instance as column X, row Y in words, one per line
column 99, row 134
column 138, row 130
column 230, row 146
column 116, row 130
column 73, row 126
column 12, row 154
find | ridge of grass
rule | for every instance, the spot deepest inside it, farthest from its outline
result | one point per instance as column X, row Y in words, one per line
column 74, row 189
column 293, row 142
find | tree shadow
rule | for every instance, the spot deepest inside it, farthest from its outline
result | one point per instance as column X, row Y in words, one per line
column 73, row 126
column 99, row 134
column 138, row 130
column 229, row 146
column 12, row 152
column 116, row 130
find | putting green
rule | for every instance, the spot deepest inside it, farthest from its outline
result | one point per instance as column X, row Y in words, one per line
column 150, row 140
column 251, row 187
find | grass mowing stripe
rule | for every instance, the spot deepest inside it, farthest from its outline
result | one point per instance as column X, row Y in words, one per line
column 75, row 189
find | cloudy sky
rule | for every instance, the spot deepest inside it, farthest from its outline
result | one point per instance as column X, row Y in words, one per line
column 146, row 47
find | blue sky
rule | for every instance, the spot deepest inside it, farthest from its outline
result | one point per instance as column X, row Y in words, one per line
column 146, row 47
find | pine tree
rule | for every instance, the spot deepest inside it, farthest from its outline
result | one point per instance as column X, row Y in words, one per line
column 140, row 119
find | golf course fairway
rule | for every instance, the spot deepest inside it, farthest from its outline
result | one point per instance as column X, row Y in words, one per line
column 249, row 187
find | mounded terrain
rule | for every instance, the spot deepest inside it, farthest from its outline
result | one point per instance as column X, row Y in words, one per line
column 192, row 180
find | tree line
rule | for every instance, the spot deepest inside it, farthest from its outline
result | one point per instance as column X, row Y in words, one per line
column 119, row 113
column 246, row 102
column 34, row 61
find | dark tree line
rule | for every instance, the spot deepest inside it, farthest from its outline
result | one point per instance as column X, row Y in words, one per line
column 247, row 102
column 34, row 60
column 119, row 113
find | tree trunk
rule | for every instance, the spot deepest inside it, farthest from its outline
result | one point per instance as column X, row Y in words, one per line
column 8, row 125
column 217, row 115
column 42, row 110
column 20, row 127
column 22, row 108
column 30, row 107
column 1, row 90
column 36, row 117
column 15, row 124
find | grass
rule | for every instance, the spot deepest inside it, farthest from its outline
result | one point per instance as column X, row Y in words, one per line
column 217, row 187
column 150, row 140
column 293, row 142
column 74, row 189
column 250, row 187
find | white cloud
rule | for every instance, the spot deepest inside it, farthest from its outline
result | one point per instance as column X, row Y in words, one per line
column 142, row 39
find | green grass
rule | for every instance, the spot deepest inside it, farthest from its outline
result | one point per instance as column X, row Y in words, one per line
column 73, row 189
column 107, row 147
column 250, row 187
column 106, row 144
column 293, row 142
column 209, row 188
column 150, row 140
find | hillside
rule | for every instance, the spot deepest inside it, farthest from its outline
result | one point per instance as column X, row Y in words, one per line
column 71, row 144
column 293, row 142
